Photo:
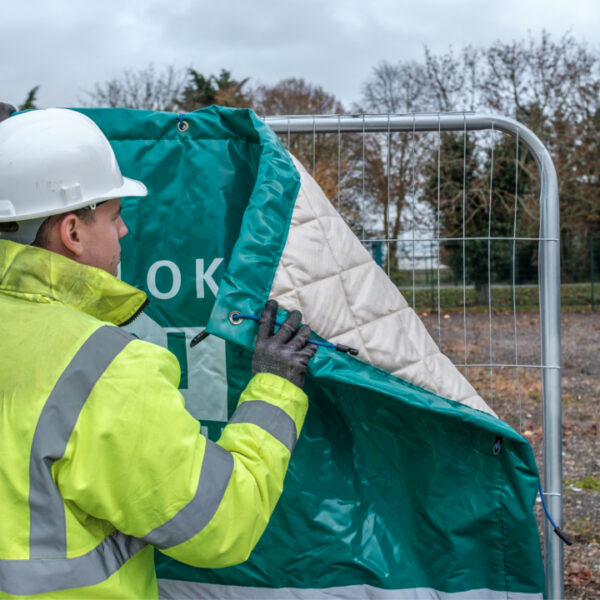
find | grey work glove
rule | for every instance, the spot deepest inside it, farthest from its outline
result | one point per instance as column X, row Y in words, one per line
column 6, row 110
column 286, row 352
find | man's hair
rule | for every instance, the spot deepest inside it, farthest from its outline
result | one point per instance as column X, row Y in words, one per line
column 42, row 239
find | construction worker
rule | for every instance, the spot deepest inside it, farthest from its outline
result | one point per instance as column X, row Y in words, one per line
column 100, row 460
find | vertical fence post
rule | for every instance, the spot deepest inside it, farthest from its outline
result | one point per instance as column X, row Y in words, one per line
column 549, row 269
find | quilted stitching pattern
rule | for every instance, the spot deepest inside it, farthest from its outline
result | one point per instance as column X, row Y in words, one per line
column 326, row 273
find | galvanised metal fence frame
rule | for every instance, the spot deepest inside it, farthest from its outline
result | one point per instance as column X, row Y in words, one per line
column 549, row 278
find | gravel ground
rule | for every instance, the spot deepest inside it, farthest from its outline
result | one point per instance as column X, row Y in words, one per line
column 516, row 395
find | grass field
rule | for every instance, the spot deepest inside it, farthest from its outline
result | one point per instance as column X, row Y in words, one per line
column 577, row 296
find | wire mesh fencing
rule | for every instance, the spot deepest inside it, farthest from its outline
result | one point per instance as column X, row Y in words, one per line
column 461, row 211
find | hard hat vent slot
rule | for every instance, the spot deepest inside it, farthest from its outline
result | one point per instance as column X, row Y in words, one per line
column 71, row 193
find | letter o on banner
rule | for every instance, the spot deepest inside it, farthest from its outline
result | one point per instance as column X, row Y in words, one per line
column 151, row 279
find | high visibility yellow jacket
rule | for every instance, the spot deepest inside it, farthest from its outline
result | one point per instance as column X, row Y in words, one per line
column 100, row 459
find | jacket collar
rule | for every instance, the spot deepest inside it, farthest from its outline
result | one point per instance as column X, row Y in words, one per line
column 38, row 275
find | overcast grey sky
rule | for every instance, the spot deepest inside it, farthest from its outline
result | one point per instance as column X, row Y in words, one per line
column 65, row 46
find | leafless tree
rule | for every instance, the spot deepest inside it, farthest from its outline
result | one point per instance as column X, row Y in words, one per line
column 145, row 88
column 333, row 160
column 551, row 85
column 399, row 88
column 394, row 160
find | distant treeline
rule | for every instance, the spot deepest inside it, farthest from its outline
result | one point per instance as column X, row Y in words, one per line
column 384, row 185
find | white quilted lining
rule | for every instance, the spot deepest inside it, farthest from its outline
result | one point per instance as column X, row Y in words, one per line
column 327, row 274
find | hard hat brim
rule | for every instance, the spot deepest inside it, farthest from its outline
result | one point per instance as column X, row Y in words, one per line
column 129, row 188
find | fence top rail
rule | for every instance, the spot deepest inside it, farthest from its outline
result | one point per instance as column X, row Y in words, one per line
column 454, row 121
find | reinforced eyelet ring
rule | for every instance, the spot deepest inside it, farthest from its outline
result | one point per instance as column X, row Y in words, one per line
column 182, row 126
column 234, row 317
column 497, row 447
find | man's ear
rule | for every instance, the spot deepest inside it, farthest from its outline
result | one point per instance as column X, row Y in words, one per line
column 70, row 234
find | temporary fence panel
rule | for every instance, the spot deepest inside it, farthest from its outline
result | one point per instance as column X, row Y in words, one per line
column 348, row 168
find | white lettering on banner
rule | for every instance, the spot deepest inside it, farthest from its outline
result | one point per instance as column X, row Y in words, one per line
column 151, row 279
column 203, row 276
column 206, row 276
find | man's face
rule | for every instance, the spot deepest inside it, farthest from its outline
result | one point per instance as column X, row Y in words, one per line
column 101, row 235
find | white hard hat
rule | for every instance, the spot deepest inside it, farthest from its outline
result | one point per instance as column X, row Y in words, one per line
column 54, row 161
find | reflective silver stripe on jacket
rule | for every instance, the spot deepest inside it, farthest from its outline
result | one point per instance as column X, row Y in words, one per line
column 48, row 568
column 48, row 535
column 269, row 417
column 217, row 467
column 39, row 576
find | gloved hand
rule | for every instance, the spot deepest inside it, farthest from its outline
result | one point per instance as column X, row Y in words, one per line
column 6, row 110
column 286, row 352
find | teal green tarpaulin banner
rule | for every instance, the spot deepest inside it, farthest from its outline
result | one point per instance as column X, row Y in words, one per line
column 393, row 491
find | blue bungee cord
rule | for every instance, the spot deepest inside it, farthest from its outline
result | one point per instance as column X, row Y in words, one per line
column 236, row 317
column 557, row 530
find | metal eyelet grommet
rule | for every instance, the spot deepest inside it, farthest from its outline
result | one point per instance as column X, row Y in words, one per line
column 182, row 126
column 497, row 446
column 234, row 317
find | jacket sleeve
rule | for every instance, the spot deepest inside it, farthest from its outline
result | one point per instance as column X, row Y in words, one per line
column 138, row 460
